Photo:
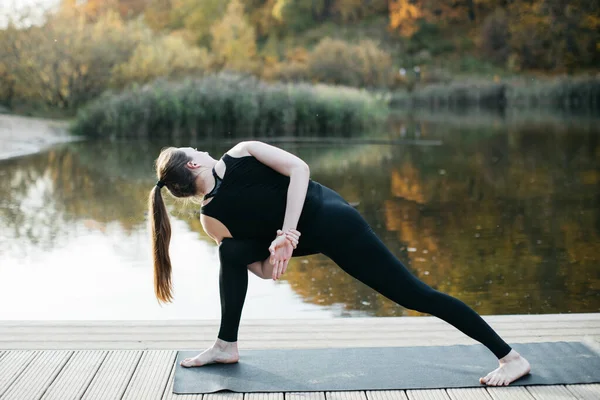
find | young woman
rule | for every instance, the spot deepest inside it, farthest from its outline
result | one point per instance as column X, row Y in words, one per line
column 260, row 205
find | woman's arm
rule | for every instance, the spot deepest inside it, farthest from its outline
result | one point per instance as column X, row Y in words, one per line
column 286, row 164
column 289, row 165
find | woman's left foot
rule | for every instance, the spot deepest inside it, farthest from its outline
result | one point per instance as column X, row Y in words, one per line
column 221, row 352
column 511, row 368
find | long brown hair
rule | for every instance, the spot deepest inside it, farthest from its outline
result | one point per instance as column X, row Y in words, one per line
column 172, row 172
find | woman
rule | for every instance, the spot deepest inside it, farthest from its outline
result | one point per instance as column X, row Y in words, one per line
column 260, row 206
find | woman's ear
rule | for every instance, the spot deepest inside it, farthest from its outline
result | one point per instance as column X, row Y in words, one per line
column 192, row 165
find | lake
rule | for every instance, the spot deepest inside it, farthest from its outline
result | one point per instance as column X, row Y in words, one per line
column 501, row 213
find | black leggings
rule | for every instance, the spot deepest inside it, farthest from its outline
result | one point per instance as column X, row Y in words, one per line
column 339, row 232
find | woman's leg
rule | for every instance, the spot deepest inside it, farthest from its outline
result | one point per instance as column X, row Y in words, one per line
column 367, row 259
column 235, row 255
column 348, row 240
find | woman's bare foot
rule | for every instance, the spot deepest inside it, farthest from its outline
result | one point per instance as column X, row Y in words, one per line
column 512, row 367
column 221, row 352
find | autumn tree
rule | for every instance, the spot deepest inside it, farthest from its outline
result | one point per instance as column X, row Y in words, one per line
column 93, row 9
column 337, row 62
column 495, row 37
column 158, row 14
column 355, row 10
column 233, row 40
column 262, row 17
column 167, row 56
column 67, row 60
column 197, row 17
column 298, row 15
column 554, row 34
column 404, row 16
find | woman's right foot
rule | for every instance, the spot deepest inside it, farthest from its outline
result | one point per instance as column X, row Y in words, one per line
column 512, row 367
column 221, row 352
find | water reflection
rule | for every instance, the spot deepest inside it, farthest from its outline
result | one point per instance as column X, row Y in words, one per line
column 503, row 217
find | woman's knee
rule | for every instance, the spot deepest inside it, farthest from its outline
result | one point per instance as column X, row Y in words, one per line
column 227, row 252
column 262, row 269
column 241, row 252
column 422, row 299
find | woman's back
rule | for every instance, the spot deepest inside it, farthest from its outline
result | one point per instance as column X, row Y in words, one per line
column 251, row 199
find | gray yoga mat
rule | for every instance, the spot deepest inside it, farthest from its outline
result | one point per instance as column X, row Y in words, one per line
column 383, row 368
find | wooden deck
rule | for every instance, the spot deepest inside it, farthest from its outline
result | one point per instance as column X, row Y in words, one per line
column 135, row 359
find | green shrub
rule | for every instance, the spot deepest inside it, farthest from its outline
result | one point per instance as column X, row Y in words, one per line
column 337, row 62
column 225, row 105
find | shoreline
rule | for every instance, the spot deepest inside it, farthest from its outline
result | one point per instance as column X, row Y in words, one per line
column 21, row 136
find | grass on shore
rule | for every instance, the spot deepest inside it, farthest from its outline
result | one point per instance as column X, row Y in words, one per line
column 567, row 94
column 225, row 105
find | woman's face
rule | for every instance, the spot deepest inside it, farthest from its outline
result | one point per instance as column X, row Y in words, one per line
column 198, row 158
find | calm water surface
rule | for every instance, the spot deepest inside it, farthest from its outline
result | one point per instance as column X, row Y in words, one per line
column 503, row 216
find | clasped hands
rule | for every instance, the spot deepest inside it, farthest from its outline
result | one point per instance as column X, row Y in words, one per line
column 281, row 250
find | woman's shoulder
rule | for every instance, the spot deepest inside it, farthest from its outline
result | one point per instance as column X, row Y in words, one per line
column 238, row 151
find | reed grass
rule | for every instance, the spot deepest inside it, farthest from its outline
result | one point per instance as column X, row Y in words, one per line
column 565, row 94
column 225, row 105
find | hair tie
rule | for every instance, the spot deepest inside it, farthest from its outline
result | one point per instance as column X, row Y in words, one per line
column 160, row 184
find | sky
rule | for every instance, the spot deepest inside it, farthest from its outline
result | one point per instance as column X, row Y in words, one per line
column 13, row 8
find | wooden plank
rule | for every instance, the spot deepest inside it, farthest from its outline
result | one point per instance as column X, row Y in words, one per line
column 585, row 392
column 468, row 394
column 76, row 376
column 283, row 325
column 550, row 393
column 150, row 377
column 305, row 396
column 344, row 332
column 509, row 393
column 251, row 343
column 279, row 325
column 263, row 396
column 224, row 396
column 348, row 395
column 366, row 321
column 169, row 395
column 113, row 376
column 386, row 395
column 39, row 374
column 290, row 335
column 12, row 365
column 436, row 394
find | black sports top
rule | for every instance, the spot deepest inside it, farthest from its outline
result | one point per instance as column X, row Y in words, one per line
column 250, row 199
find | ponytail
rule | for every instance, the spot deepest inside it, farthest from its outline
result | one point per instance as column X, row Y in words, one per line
column 160, row 228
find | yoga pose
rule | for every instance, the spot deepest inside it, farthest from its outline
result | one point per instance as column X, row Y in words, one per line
column 261, row 207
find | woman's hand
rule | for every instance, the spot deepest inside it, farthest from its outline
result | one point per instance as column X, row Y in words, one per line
column 292, row 235
column 281, row 251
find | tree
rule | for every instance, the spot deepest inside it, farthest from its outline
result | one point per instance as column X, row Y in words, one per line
column 337, row 62
column 198, row 17
column 298, row 15
column 67, row 60
column 233, row 40
column 166, row 56
column 495, row 37
column 404, row 15
column 354, row 10
column 158, row 14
